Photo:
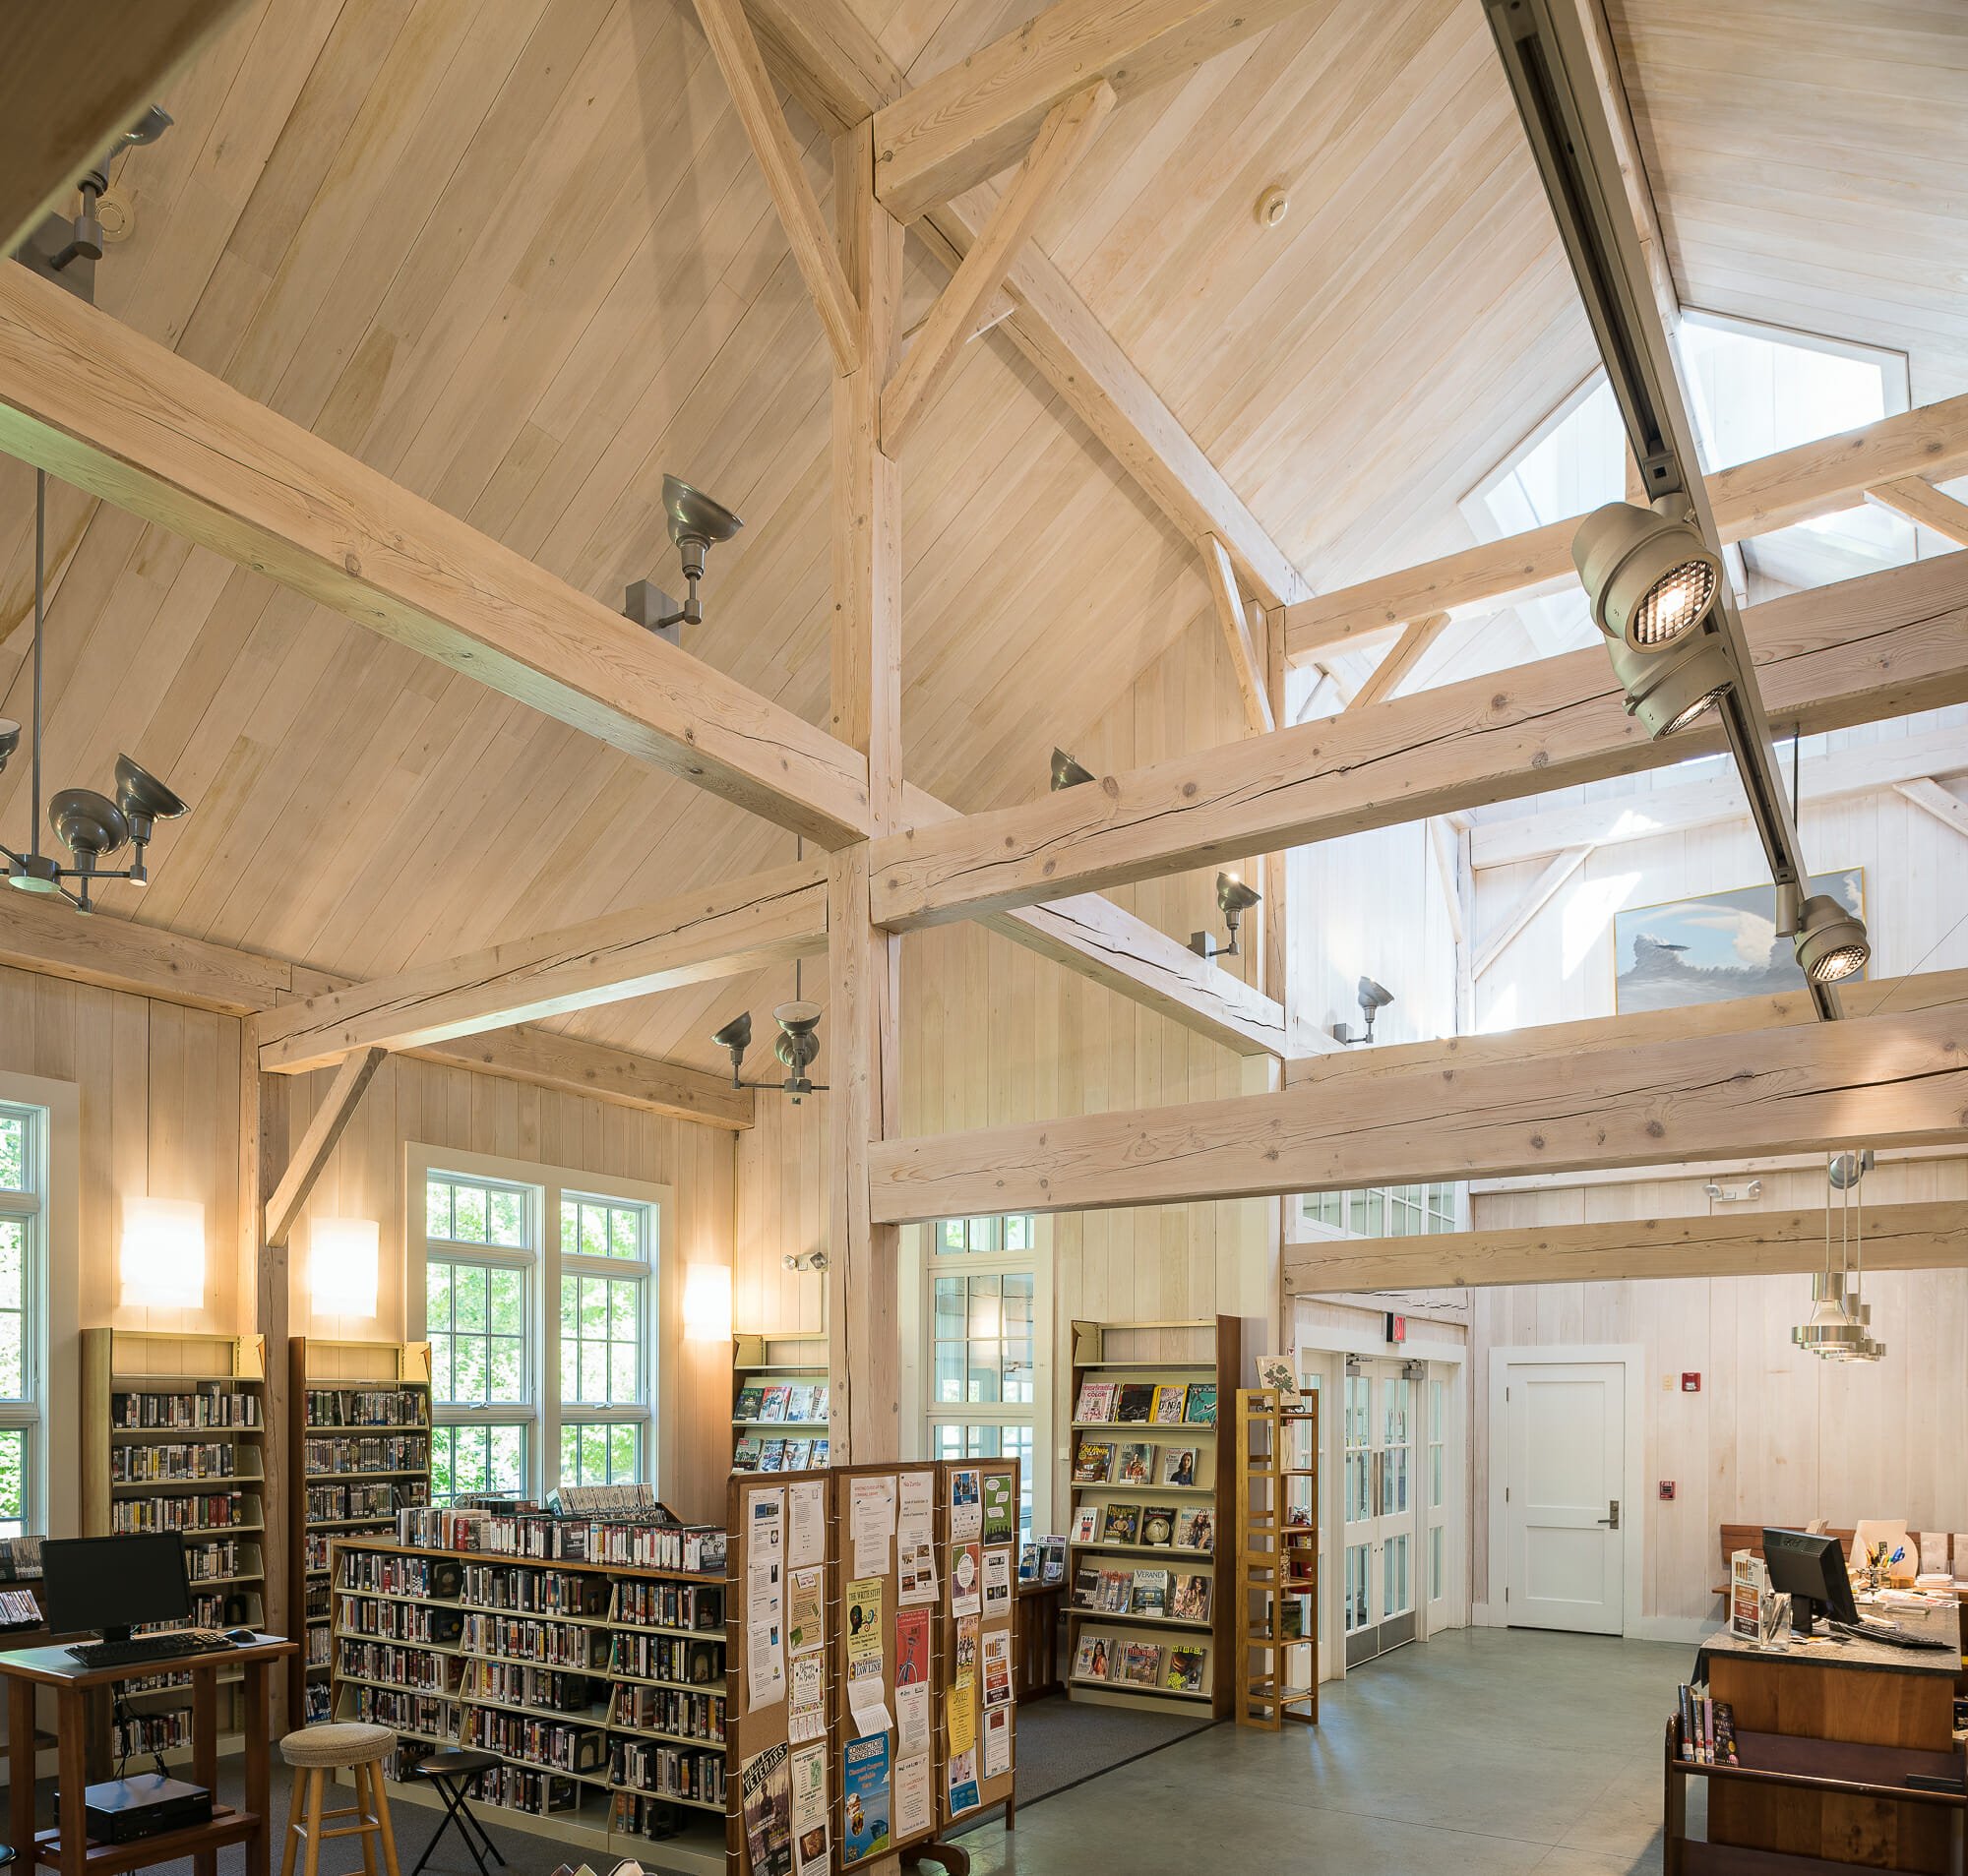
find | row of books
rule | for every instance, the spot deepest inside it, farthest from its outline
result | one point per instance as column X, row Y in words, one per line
column 402, row 1621
column 211, row 1406
column 204, row 1561
column 366, row 1407
column 535, row 1592
column 1103, row 1462
column 671, row 1710
column 185, row 1511
column 1707, row 1727
column 778, row 1455
column 1148, row 1403
column 544, row 1742
column 537, row 1689
column 339, row 1504
column 1120, row 1663
column 1181, row 1596
column 400, row 1452
column 129, row 1465
column 1187, row 1528
column 796, row 1401
column 661, row 1543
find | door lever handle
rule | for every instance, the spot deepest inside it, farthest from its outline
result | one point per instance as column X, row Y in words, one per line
column 1612, row 1519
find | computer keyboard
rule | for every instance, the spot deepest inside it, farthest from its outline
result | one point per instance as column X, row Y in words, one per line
column 1885, row 1632
column 141, row 1648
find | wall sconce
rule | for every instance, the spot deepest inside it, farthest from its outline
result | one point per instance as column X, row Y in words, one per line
column 706, row 1302
column 1067, row 772
column 1233, row 899
column 162, row 1259
column 345, row 1259
column 1374, row 997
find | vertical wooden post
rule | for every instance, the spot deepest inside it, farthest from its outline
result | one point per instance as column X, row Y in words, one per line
column 864, row 961
column 1265, row 1075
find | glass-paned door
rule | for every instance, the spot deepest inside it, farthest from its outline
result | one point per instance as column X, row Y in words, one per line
column 1380, row 1533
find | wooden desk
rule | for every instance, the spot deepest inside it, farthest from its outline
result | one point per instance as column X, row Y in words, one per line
column 64, row 1848
column 1848, row 1693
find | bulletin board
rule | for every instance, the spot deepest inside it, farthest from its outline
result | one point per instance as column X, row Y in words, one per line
column 978, row 1745
column 780, row 1616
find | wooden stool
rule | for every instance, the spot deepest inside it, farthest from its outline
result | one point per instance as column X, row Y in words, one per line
column 315, row 1752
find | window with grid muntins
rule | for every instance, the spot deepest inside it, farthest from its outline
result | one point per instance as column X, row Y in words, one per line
column 22, row 1432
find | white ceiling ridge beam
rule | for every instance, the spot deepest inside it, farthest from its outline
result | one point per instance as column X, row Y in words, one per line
column 1832, row 776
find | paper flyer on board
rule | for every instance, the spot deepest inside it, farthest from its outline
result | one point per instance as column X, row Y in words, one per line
column 764, row 1599
column 805, row 1524
column 998, row 1669
column 964, row 1782
column 997, row 1744
column 913, row 1718
column 806, row 1597
column 1000, row 1516
column 912, row 1797
column 911, row 1647
column 809, row 1782
column 915, row 1539
column 966, row 1513
column 959, row 1709
column 863, row 1798
column 768, row 1812
column 872, row 1522
column 965, row 1569
column 867, row 1660
column 806, row 1719
column 998, row 1582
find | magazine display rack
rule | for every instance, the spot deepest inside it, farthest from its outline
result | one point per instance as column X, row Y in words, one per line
column 772, row 1374
column 358, row 1450
column 174, row 1438
column 1276, row 1459
column 854, row 1682
column 1152, row 1550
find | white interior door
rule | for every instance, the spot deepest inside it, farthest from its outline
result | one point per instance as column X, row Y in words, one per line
column 1567, row 1459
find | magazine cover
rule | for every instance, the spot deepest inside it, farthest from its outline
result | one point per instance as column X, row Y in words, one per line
column 819, row 1405
column 1122, row 1525
column 1117, row 1589
column 1091, row 1662
column 1094, row 1463
column 799, row 1452
column 1151, row 1592
column 1142, row 1665
column 1185, row 1670
column 767, row 1782
column 1169, row 1399
column 1196, row 1530
column 865, row 1798
column 745, row 1455
column 1028, row 1564
column 749, row 1398
column 1134, row 1403
column 1133, row 1467
column 1096, row 1401
column 1052, row 1566
column 772, row 1455
column 1086, row 1525
column 1087, row 1585
column 1179, row 1465
column 1201, row 1408
column 1158, row 1524
column 774, row 1405
column 1188, row 1600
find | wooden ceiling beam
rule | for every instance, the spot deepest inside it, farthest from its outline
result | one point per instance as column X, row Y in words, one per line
column 1234, row 619
column 71, row 84
column 738, row 57
column 1916, row 1236
column 1947, row 807
column 1883, row 647
column 1900, row 1079
column 726, row 929
column 109, row 412
column 828, row 60
column 1069, row 132
column 975, row 118
column 316, row 1146
column 1401, row 658
column 1916, row 498
column 1753, row 498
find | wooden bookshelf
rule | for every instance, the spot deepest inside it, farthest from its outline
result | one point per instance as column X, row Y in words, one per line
column 764, row 1361
column 1205, row 1353
column 1276, row 1462
column 483, row 1647
column 342, row 1391
column 174, row 1438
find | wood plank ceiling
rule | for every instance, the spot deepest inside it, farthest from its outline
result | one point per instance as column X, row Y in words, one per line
column 519, row 257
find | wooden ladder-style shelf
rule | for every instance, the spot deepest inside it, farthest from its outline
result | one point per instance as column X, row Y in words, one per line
column 1277, row 1464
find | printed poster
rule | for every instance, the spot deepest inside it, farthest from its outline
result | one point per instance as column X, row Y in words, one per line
column 966, row 1514
column 964, row 1782
column 915, row 1539
column 806, row 1719
column 806, row 1514
column 1000, row 1516
column 959, row 1711
column 913, row 1718
column 911, row 1647
column 997, row 1583
column 872, row 1521
column 966, row 1570
column 997, row 1744
column 865, row 1798
column 768, row 1812
column 809, row 1782
column 764, row 1598
column 865, row 1654
column 912, row 1800
column 806, row 1598
column 998, row 1669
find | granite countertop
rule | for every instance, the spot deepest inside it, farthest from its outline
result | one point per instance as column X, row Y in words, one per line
column 1841, row 1650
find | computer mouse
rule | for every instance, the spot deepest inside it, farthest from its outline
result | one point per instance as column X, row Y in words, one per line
column 241, row 1637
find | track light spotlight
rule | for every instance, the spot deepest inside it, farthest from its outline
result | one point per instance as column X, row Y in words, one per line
column 735, row 1038
column 1233, row 899
column 1830, row 942
column 1651, row 577
column 1068, row 773
column 1667, row 690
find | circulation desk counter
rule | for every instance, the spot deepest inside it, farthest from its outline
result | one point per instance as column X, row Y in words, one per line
column 1831, row 1731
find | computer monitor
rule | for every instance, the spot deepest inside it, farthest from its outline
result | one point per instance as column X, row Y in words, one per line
column 1811, row 1569
column 113, row 1584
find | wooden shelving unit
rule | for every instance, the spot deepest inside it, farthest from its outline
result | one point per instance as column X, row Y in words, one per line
column 1159, row 1356
column 1276, row 1463
column 174, row 1438
column 762, row 1362
column 476, row 1648
column 342, row 1391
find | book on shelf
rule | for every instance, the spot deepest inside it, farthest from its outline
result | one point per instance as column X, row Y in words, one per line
column 1196, row 1529
column 1189, row 1599
column 1200, row 1410
column 1096, row 1402
column 1158, row 1524
column 750, row 1399
column 1093, row 1464
column 1169, row 1399
column 1150, row 1593
column 1135, row 1402
column 1178, row 1466
column 1134, row 1465
column 1086, row 1525
column 1121, row 1525
column 1707, row 1727
column 1185, row 1670
column 1142, row 1664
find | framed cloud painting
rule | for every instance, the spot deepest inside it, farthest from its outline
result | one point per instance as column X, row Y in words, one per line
column 1708, row 950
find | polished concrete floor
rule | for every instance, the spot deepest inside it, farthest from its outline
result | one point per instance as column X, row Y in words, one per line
column 1488, row 1752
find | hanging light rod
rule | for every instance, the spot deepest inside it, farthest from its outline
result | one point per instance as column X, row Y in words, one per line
column 1651, row 571
column 92, row 826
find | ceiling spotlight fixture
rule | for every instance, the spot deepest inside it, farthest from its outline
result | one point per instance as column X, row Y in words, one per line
column 1068, row 773
column 1650, row 576
column 91, row 825
column 798, row 1043
column 696, row 524
column 1830, row 942
column 1733, row 1194
column 1233, row 899
column 1374, row 997
column 1667, row 690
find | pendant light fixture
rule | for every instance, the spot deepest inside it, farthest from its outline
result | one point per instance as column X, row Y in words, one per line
column 92, row 826
column 1839, row 1327
column 798, row 1044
